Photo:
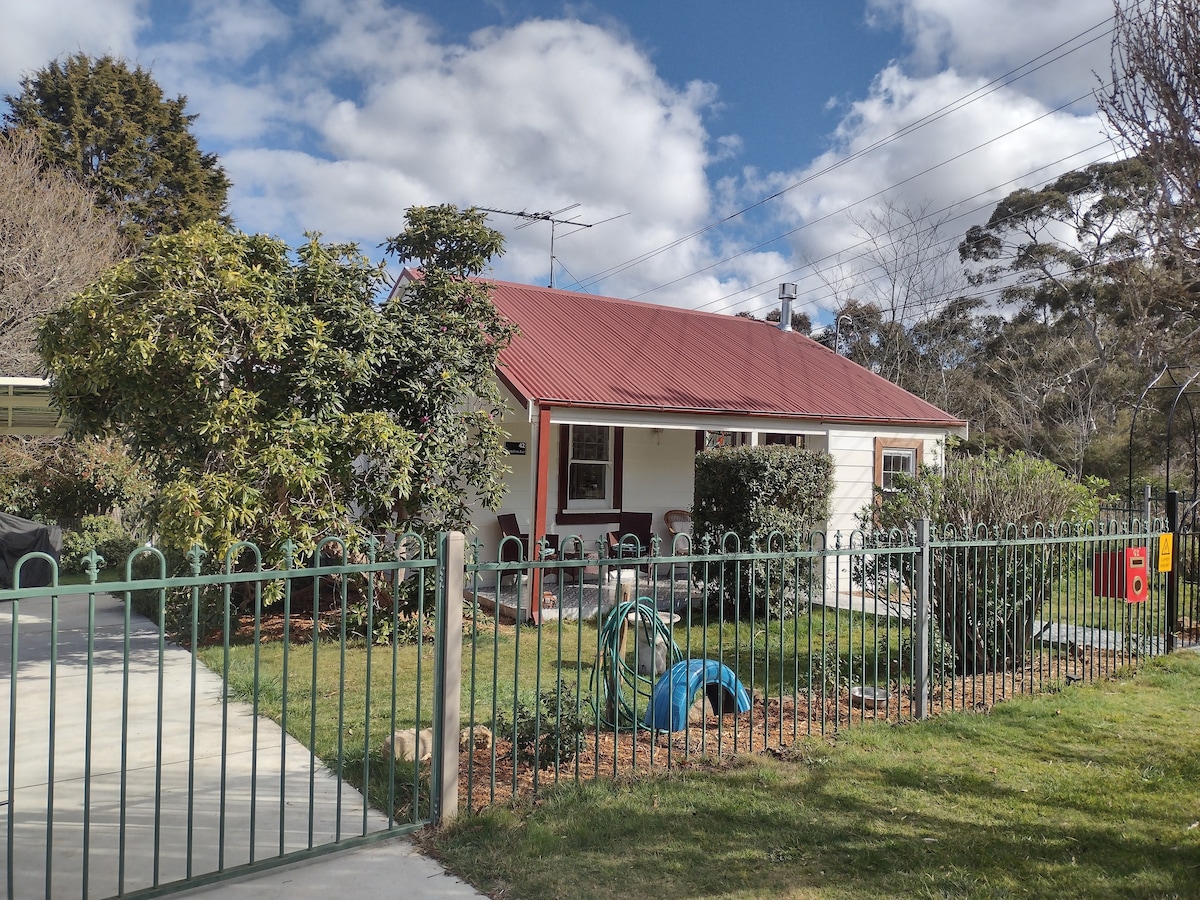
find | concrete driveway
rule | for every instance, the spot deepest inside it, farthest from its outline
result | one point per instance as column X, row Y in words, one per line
column 176, row 824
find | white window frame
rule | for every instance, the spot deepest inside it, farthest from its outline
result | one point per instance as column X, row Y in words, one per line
column 888, row 473
column 590, row 505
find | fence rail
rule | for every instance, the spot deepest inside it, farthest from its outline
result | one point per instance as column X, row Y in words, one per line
column 177, row 728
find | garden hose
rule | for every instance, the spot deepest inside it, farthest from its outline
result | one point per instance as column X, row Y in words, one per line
column 615, row 707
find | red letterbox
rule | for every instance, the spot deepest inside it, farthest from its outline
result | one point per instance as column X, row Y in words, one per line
column 1123, row 573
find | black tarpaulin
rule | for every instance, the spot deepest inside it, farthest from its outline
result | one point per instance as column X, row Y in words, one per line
column 20, row 536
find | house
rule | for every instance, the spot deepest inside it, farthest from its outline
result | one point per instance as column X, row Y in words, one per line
column 611, row 399
column 25, row 409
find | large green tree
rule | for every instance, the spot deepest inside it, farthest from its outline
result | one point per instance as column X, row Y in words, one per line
column 112, row 127
column 279, row 399
column 1091, row 312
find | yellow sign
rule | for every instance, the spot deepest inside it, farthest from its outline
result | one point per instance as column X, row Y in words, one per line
column 1166, row 542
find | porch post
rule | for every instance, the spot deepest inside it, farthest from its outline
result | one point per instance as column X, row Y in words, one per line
column 541, row 490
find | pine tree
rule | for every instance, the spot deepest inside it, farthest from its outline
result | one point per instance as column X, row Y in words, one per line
column 113, row 128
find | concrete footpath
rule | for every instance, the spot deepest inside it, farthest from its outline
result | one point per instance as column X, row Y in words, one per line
column 184, row 810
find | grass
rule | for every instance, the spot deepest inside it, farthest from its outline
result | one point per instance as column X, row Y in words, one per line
column 1089, row 793
column 346, row 717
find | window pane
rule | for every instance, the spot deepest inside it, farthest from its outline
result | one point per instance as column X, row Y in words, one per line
column 896, row 461
column 590, row 442
column 587, row 481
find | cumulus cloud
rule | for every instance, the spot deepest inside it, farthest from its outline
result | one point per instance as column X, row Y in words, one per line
column 35, row 33
column 536, row 117
column 948, row 128
column 336, row 115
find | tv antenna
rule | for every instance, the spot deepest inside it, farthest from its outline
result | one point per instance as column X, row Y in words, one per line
column 550, row 216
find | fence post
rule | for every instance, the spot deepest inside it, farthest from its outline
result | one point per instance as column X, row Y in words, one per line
column 448, row 674
column 923, row 643
column 1173, row 575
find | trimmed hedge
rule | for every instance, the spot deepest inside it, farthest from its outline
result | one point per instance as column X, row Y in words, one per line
column 755, row 492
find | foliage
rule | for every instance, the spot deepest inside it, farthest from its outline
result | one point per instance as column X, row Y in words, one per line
column 63, row 480
column 108, row 537
column 986, row 597
column 276, row 399
column 991, row 489
column 757, row 493
column 53, row 242
column 441, row 361
column 111, row 127
column 1095, row 314
column 546, row 731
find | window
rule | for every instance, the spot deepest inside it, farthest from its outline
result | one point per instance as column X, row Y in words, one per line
column 896, row 462
column 787, row 440
column 895, row 457
column 590, row 467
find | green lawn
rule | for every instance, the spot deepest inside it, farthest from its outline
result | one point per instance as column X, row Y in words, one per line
column 1093, row 792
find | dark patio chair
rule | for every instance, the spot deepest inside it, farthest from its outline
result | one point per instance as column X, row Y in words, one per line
column 512, row 551
column 632, row 537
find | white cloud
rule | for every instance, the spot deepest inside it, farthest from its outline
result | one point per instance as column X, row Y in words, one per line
column 965, row 155
column 33, row 33
column 535, row 117
column 336, row 115
column 983, row 37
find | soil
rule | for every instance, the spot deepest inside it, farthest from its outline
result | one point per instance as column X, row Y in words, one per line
column 488, row 775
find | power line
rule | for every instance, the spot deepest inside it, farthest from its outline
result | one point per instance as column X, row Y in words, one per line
column 979, row 93
column 834, row 255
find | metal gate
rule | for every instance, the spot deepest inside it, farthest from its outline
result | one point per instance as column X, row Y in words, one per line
column 148, row 754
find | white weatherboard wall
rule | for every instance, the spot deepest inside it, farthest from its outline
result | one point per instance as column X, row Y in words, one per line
column 658, row 471
column 853, row 452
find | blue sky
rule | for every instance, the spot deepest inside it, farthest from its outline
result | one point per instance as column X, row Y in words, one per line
column 669, row 123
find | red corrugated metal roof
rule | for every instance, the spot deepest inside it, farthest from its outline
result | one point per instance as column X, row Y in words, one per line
column 581, row 349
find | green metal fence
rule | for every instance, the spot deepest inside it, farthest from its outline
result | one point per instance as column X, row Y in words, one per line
column 242, row 722
column 637, row 663
column 180, row 727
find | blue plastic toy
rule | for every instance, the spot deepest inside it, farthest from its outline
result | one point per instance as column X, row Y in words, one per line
column 678, row 686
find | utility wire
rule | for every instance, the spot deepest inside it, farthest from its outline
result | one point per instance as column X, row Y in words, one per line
column 836, row 255
column 979, row 93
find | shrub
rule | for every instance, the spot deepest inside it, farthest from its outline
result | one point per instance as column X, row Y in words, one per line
column 63, row 480
column 985, row 596
column 108, row 537
column 545, row 729
column 760, row 494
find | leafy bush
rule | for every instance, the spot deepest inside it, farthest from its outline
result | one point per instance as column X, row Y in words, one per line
column 757, row 493
column 63, row 480
column 108, row 537
column 545, row 730
column 986, row 596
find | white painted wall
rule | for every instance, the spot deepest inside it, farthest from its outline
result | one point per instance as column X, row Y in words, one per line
column 659, row 475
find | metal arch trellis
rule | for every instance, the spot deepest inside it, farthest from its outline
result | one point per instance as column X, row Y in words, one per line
column 1181, row 388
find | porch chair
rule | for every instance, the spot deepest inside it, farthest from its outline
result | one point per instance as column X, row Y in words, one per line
column 679, row 521
column 512, row 550
column 632, row 537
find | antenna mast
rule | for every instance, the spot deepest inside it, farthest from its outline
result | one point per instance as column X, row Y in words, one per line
column 548, row 216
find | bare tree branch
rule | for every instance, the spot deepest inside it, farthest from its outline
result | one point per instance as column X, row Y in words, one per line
column 53, row 243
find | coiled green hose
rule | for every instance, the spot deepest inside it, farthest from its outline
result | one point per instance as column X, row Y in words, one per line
column 619, row 692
